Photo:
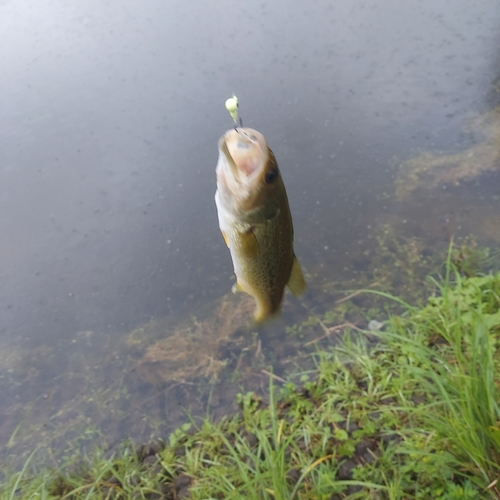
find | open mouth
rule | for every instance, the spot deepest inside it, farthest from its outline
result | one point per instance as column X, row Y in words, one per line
column 245, row 152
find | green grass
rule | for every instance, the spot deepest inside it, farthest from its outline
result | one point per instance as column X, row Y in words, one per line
column 458, row 369
column 410, row 412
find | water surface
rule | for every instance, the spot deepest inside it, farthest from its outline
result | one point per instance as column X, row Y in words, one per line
column 109, row 120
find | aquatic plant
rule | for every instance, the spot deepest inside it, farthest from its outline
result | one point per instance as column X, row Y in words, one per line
column 429, row 170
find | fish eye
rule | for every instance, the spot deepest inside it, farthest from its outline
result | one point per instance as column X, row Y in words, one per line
column 271, row 176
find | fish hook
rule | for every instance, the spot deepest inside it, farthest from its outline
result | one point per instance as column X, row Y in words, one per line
column 232, row 106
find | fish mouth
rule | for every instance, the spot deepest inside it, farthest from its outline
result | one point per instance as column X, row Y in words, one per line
column 245, row 151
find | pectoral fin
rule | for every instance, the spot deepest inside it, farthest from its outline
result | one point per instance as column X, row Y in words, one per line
column 225, row 238
column 237, row 288
column 249, row 244
column 296, row 282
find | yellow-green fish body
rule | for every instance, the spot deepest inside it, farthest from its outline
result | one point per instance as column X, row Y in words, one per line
column 255, row 220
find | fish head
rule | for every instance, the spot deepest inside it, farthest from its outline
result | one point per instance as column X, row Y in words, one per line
column 248, row 176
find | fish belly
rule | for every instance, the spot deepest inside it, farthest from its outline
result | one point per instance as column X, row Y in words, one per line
column 262, row 256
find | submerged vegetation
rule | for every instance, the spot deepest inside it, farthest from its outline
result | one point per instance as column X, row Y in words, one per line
column 405, row 410
column 430, row 170
column 193, row 348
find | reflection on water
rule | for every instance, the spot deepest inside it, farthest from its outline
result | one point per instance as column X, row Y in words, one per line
column 114, row 305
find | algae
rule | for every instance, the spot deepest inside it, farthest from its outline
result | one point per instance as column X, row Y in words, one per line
column 192, row 348
column 490, row 227
column 430, row 170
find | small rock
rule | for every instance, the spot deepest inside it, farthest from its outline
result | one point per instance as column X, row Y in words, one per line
column 365, row 450
column 183, row 493
column 179, row 451
column 151, row 448
column 250, row 438
column 181, row 486
column 150, row 460
column 292, row 476
column 181, row 482
column 350, row 426
column 374, row 325
column 345, row 470
column 389, row 400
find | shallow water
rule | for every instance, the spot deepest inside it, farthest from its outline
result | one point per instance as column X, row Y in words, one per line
column 110, row 117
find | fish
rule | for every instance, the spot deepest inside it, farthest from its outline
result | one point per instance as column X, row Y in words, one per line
column 255, row 221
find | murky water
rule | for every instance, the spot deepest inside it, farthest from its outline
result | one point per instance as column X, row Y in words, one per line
column 110, row 116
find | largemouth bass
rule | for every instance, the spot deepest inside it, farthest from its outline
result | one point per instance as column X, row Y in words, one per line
column 255, row 220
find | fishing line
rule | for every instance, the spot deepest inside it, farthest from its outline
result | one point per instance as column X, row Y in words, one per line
column 231, row 103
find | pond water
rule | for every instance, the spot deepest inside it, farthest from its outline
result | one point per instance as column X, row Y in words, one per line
column 383, row 119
